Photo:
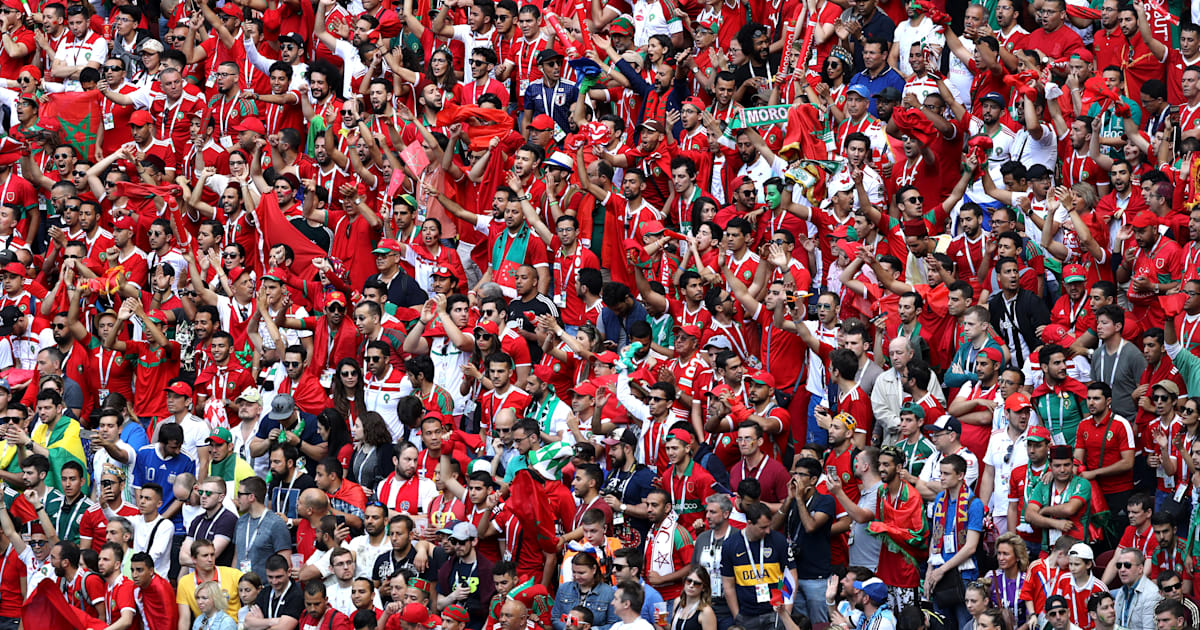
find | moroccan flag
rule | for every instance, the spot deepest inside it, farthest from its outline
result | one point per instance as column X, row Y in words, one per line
column 528, row 500
column 78, row 113
column 47, row 609
column 902, row 527
column 274, row 229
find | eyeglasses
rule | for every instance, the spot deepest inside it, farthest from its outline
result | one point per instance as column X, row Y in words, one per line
column 1056, row 613
column 693, row 582
column 174, row 38
column 743, row 439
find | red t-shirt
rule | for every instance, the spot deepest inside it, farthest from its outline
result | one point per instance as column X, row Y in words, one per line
column 1112, row 436
column 155, row 368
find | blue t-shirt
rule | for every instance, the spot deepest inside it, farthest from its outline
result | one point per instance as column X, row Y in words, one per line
column 150, row 467
column 307, row 434
column 974, row 524
column 753, row 565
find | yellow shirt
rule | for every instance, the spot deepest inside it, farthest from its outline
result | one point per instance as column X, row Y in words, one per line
column 228, row 577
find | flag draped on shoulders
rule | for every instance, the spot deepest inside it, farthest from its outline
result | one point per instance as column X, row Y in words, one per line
column 901, row 525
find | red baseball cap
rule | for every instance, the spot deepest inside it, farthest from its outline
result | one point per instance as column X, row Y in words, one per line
column 690, row 330
column 1017, row 402
column 586, row 388
column 123, row 223
column 654, row 227
column 681, row 435
column 608, row 356
column 1038, row 432
column 543, row 372
column 442, row 271
column 992, row 353
column 275, row 273
column 232, row 10
column 1144, row 219
column 488, row 326
column 761, row 377
column 541, row 122
column 335, row 297
column 141, row 118
column 250, row 124
column 180, row 388
column 15, row 268
column 387, row 246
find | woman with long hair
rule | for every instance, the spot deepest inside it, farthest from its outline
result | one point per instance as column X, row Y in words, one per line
column 1006, row 581
column 371, row 461
column 347, row 390
column 440, row 71
column 427, row 255
column 248, row 588
column 693, row 610
column 332, row 427
column 994, row 619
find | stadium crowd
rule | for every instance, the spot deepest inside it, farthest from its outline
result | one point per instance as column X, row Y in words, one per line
column 604, row 315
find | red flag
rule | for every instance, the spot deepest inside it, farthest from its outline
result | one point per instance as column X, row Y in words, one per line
column 78, row 114
column 47, row 609
column 482, row 124
column 274, row 228
column 529, row 502
column 22, row 510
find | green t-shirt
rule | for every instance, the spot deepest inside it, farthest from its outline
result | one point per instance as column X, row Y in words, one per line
column 1046, row 496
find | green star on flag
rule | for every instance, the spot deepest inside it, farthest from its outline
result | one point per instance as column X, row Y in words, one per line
column 78, row 115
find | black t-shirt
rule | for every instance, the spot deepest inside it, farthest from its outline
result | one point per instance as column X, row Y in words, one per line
column 224, row 524
column 761, row 567
column 539, row 305
column 387, row 565
column 290, row 605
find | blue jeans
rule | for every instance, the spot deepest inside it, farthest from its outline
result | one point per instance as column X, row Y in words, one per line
column 816, row 435
column 810, row 599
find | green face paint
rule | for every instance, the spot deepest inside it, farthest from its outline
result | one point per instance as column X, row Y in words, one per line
column 773, row 196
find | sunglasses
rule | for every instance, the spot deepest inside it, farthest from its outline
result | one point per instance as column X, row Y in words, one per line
column 372, row 359
column 1160, row 398
column 35, row 543
column 208, row 493
column 657, row 399
column 229, row 255
column 291, row 364
column 336, row 307
column 1056, row 613
column 114, row 68
column 244, row 494
column 693, row 582
column 1172, row 587
column 914, row 200
column 1123, row 565
column 478, row 62
column 348, row 374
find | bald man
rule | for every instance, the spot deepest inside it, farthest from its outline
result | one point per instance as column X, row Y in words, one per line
column 888, row 393
column 313, row 505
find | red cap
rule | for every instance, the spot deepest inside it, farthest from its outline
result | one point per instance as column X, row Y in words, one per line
column 586, row 388
column 681, row 435
column 1054, row 333
column 335, row 297
column 541, row 122
column 720, row 390
column 654, row 227
column 488, row 326
column 15, row 268
column 1074, row 273
column 1017, row 402
column 442, row 271
column 434, row 413
column 1144, row 219
column 413, row 612
column 1038, row 432
column 992, row 353
column 124, row 222
column 696, row 102
column 690, row 330
column 250, row 124
column 387, row 246
column 737, row 182
column 275, row 273
column 232, row 10
column 157, row 315
column 141, row 118
column 180, row 388
column 236, row 273
column 761, row 377
column 13, row 4
column 543, row 372
column 608, row 356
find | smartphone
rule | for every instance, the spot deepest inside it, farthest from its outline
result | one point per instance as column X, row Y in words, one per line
column 87, row 434
column 831, row 472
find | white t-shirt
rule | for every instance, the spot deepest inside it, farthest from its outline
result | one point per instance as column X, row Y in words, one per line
column 155, row 539
column 906, row 35
column 1028, row 151
column 636, row 624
